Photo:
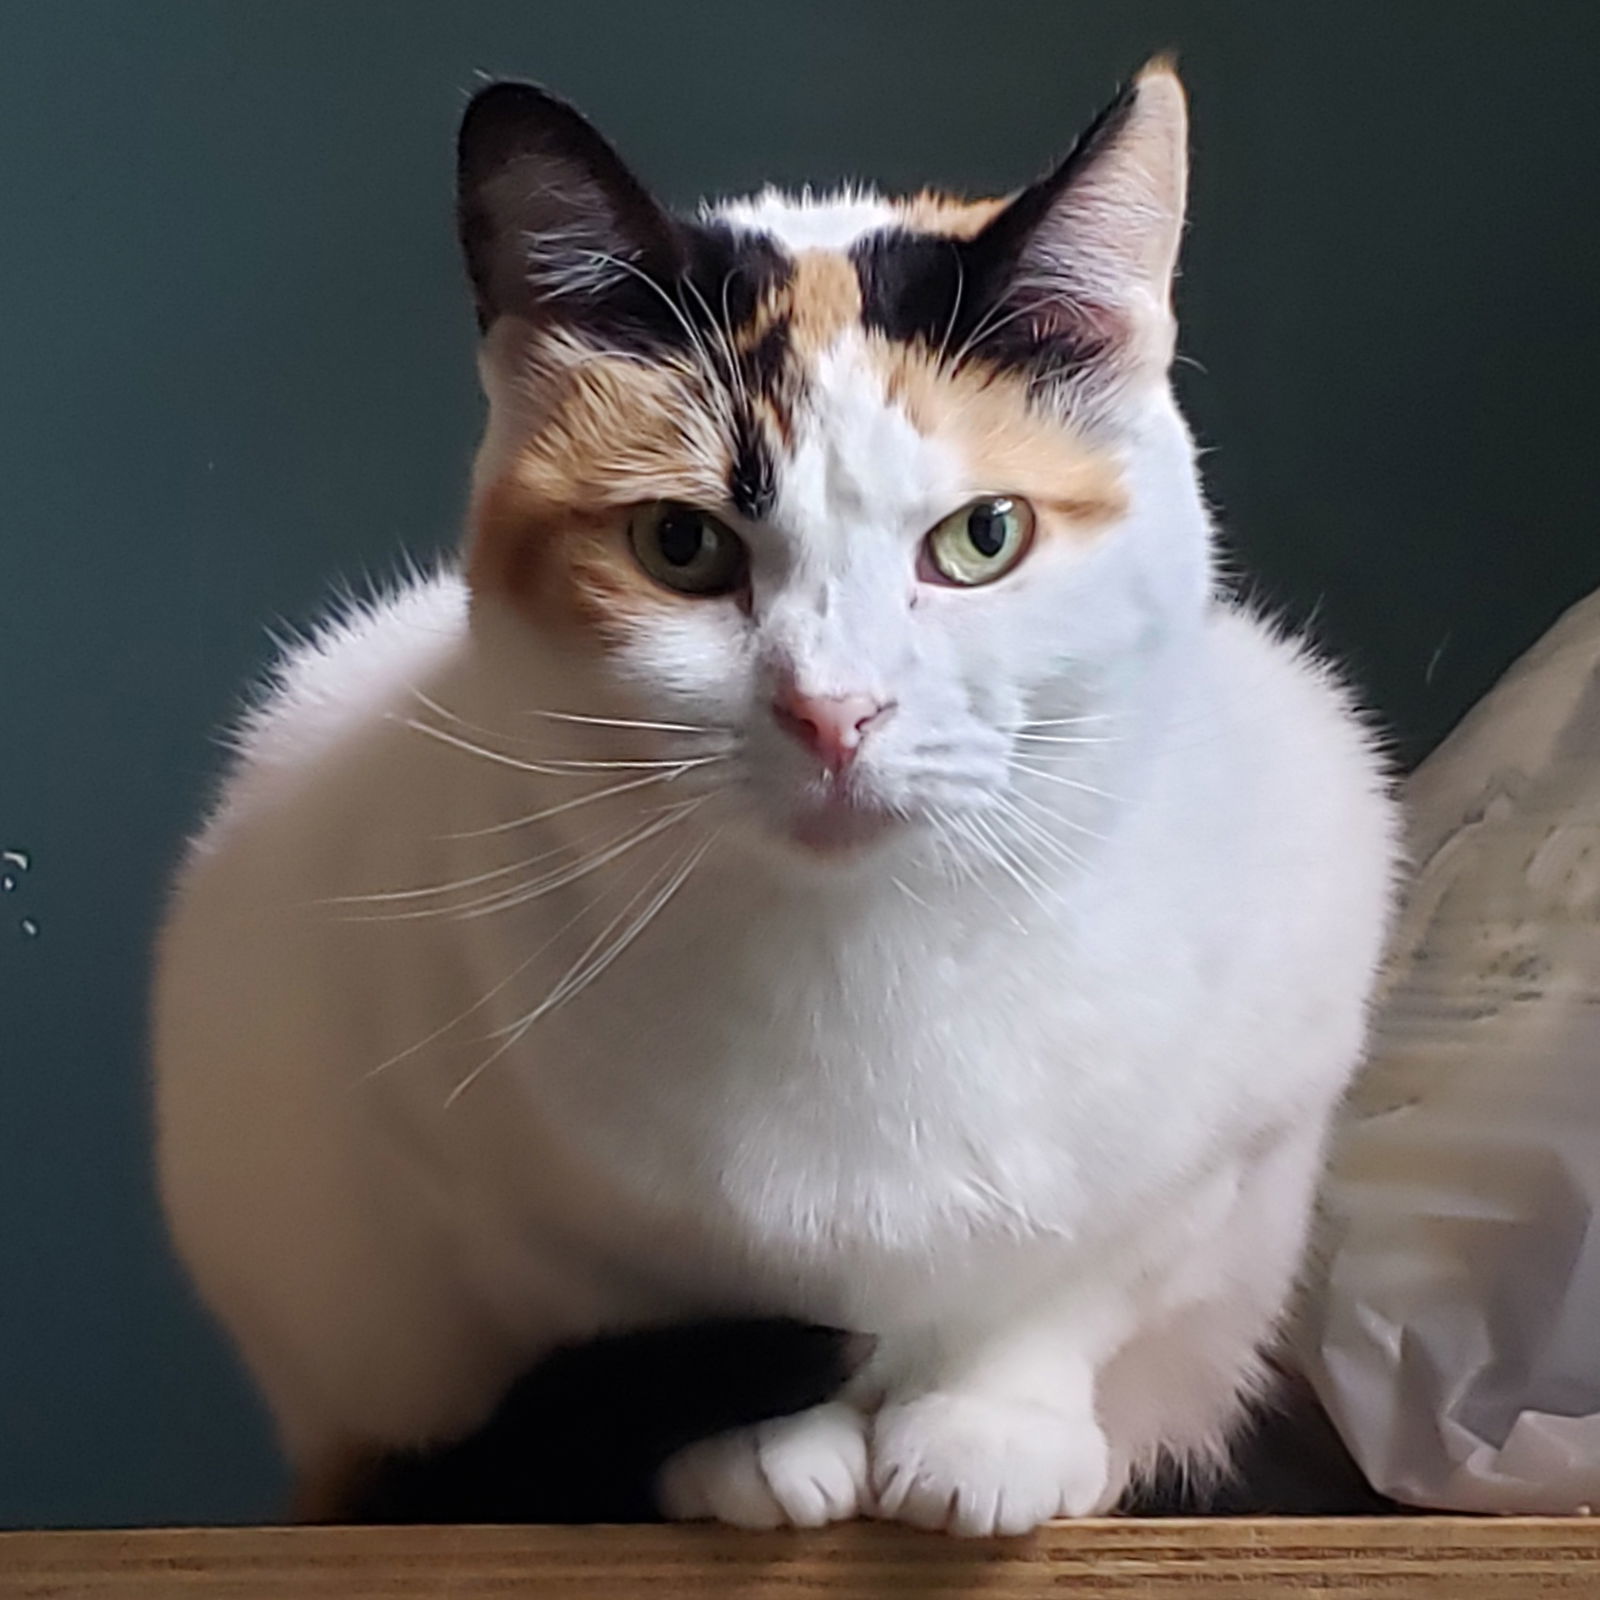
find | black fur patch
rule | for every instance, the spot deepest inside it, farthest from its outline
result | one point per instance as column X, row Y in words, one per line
column 766, row 364
column 955, row 296
column 729, row 272
column 914, row 286
column 753, row 477
column 582, row 1436
column 696, row 307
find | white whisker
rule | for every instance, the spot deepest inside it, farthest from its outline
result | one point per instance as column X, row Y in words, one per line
column 1067, row 722
column 910, row 893
column 427, row 891
column 589, row 966
column 1065, row 782
column 1043, row 840
column 430, row 704
column 1060, row 818
column 534, row 891
column 955, row 304
column 566, row 768
column 991, row 324
column 570, row 805
column 483, row 1000
column 626, row 722
column 1027, row 880
column 961, row 825
column 727, row 335
column 735, row 375
column 648, row 915
column 1061, row 738
column 557, row 766
column 708, row 367
column 503, row 899
column 498, row 988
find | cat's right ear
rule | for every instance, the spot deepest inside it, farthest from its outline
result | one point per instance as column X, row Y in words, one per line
column 549, row 215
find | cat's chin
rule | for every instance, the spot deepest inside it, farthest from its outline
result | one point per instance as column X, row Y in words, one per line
column 840, row 828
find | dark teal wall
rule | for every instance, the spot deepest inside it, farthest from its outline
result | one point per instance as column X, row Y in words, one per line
column 235, row 364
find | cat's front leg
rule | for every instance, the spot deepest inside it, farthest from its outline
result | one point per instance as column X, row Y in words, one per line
column 999, row 1436
column 801, row 1471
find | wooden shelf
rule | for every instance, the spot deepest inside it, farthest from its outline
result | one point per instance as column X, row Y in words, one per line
column 1420, row 1558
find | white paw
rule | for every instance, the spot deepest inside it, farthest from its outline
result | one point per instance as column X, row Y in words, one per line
column 800, row 1472
column 978, row 1466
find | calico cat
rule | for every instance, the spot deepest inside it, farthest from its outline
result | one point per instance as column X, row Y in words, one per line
column 829, row 851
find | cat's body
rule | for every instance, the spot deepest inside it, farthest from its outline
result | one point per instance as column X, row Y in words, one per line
column 1033, row 1090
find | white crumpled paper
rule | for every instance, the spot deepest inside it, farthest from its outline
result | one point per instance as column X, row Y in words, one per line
column 1453, row 1328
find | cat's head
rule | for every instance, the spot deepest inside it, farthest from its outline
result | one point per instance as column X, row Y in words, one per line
column 865, row 485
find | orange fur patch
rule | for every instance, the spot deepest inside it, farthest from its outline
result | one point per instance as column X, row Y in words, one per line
column 618, row 432
column 566, row 568
column 1008, row 445
column 550, row 531
column 949, row 214
column 824, row 298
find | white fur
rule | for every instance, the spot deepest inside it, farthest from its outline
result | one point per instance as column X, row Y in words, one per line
column 808, row 221
column 1046, row 1119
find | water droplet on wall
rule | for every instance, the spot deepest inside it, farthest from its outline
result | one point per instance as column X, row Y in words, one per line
column 7, row 883
column 20, row 859
column 30, row 928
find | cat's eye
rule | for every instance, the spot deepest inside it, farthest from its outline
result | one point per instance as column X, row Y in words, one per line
column 980, row 542
column 687, row 549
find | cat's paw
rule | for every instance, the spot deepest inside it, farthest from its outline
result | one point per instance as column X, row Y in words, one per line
column 979, row 1466
column 801, row 1472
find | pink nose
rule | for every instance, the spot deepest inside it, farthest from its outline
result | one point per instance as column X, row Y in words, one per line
column 830, row 726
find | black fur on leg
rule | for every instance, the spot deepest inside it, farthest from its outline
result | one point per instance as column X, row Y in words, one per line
column 581, row 1437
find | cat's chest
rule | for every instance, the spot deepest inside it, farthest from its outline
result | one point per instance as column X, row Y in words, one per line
column 817, row 1095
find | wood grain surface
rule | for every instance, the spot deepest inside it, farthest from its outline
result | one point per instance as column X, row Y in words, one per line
column 1405, row 1558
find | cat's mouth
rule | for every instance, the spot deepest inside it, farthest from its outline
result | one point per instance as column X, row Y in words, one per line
column 840, row 819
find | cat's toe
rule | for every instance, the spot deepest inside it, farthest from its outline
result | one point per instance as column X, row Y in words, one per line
column 979, row 1467
column 802, row 1471
column 719, row 1480
column 816, row 1464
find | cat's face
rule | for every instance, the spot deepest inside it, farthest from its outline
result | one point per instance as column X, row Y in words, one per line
column 867, row 487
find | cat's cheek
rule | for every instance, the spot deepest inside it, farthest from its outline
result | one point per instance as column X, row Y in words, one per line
column 692, row 663
column 574, row 584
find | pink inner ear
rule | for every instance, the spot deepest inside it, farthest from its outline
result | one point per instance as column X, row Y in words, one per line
column 1078, row 320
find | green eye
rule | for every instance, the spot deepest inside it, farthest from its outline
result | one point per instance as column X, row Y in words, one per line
column 687, row 549
column 981, row 542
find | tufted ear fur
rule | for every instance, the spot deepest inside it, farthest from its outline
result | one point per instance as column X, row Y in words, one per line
column 1068, row 285
column 1105, row 224
column 550, row 217
column 1082, row 261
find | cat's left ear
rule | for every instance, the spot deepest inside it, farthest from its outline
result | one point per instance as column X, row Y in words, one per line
column 1086, row 255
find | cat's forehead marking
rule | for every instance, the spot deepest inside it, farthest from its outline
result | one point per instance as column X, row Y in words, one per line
column 824, row 299
column 817, row 381
column 829, row 331
column 806, row 221
column 954, row 216
column 1004, row 444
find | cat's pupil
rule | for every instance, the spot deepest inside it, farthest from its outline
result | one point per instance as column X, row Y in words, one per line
column 986, row 528
column 680, row 536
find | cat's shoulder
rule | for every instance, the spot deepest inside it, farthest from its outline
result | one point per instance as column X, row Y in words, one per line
column 350, row 672
column 1263, row 651
column 1280, row 689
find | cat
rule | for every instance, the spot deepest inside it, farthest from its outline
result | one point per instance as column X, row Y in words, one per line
column 830, row 850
